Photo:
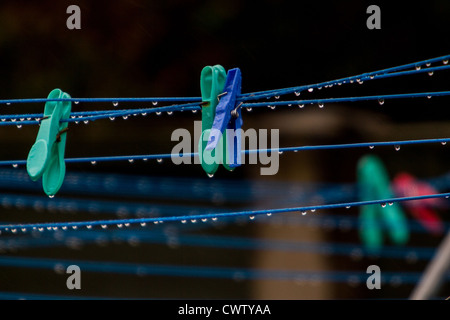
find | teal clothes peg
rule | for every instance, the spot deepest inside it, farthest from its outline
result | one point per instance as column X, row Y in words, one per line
column 46, row 156
column 212, row 83
column 374, row 184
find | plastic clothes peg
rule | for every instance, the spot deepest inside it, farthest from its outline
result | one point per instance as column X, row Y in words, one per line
column 228, row 120
column 46, row 156
column 405, row 185
column 374, row 184
column 212, row 83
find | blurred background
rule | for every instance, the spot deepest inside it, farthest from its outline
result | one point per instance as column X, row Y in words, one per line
column 142, row 48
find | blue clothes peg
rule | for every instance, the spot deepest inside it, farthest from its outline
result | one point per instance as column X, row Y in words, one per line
column 228, row 120
column 46, row 156
column 374, row 184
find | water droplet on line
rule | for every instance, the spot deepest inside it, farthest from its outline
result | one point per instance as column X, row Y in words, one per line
column 251, row 217
column 159, row 113
column 371, row 147
column 430, row 73
column 155, row 103
column 277, row 97
column 297, row 93
column 418, row 67
column 321, row 105
column 249, row 109
column 383, row 205
column 301, row 106
column 391, row 204
column 444, row 143
column 169, row 113
column 269, row 214
column 15, row 165
column 125, row 117
column 115, row 103
column 159, row 160
column 93, row 163
column 112, row 118
column 397, row 148
column 210, row 175
column 310, row 89
column 76, row 102
column 304, row 213
column 51, row 196
column 130, row 160
column 445, row 61
column 428, row 64
column 381, row 101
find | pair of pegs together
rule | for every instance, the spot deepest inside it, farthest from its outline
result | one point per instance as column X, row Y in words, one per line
column 220, row 141
column 374, row 183
column 46, row 156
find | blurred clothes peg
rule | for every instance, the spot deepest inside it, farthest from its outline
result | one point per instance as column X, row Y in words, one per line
column 405, row 185
column 374, row 184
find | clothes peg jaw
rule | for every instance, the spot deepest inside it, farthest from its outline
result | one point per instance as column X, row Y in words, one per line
column 46, row 156
column 212, row 83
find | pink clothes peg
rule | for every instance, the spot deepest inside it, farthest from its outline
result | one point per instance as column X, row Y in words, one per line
column 405, row 185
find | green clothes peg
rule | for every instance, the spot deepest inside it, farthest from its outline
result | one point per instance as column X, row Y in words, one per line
column 46, row 156
column 374, row 184
column 212, row 83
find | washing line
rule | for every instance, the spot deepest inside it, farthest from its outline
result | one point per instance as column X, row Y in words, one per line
column 208, row 272
column 261, row 94
column 251, row 214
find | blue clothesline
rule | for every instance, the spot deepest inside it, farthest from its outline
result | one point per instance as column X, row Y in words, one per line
column 388, row 72
column 158, row 236
column 251, row 214
column 210, row 272
column 132, row 158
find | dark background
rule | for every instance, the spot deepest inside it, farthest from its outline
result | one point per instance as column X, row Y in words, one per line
column 158, row 48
